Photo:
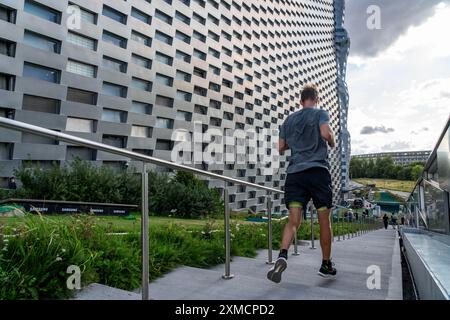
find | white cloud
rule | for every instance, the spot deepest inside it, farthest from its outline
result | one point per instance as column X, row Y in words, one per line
column 407, row 88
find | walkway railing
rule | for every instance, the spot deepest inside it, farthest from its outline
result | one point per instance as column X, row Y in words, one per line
column 366, row 224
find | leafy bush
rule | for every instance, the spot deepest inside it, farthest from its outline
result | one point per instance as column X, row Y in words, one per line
column 182, row 194
column 79, row 181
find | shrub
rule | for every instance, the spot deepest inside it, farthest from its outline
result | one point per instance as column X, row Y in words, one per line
column 79, row 181
column 181, row 194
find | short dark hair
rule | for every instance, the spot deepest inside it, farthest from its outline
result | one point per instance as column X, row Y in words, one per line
column 310, row 92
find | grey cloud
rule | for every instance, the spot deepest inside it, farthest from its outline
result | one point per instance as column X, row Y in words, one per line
column 397, row 146
column 396, row 17
column 372, row 130
column 445, row 94
column 424, row 129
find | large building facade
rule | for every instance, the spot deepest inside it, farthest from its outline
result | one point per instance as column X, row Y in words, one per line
column 130, row 73
column 400, row 158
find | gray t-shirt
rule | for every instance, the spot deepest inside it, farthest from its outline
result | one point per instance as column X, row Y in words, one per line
column 301, row 131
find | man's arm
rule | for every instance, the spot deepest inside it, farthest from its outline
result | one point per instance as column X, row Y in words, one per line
column 328, row 135
column 282, row 146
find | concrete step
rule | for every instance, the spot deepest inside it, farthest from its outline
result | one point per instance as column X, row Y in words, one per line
column 96, row 291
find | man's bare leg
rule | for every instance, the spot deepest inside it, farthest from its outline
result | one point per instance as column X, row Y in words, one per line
column 295, row 219
column 295, row 216
column 327, row 270
column 325, row 232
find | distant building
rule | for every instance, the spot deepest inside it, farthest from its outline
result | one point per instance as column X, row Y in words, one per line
column 400, row 158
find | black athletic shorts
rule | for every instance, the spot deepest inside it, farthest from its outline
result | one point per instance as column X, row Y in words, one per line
column 313, row 183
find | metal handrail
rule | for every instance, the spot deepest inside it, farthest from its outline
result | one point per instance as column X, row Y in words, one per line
column 25, row 127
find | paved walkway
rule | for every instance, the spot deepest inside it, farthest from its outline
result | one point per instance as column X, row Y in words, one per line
column 300, row 280
column 352, row 258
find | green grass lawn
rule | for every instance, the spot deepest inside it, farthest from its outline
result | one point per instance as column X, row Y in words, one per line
column 397, row 185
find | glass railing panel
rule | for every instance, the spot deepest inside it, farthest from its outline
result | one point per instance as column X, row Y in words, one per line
column 436, row 209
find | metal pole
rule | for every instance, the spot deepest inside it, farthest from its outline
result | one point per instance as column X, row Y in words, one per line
column 227, row 274
column 348, row 227
column 312, row 225
column 337, row 227
column 144, row 235
column 296, row 253
column 269, row 229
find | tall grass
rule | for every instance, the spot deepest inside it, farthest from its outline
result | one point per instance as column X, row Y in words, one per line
column 36, row 251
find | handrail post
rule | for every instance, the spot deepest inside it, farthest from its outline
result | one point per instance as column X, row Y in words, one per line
column 312, row 225
column 226, row 199
column 269, row 230
column 348, row 227
column 144, row 235
column 296, row 253
column 337, row 227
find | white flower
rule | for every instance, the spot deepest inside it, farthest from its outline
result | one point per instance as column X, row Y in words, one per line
column 63, row 250
column 58, row 259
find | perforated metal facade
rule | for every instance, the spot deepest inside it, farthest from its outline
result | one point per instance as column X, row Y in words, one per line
column 148, row 67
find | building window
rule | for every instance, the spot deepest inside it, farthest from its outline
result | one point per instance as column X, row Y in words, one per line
column 183, row 37
column 6, row 151
column 87, row 16
column 82, row 69
column 164, row 101
column 141, row 84
column 40, row 104
column 183, row 18
column 184, row 96
column 111, row 115
column 141, row 107
column 163, row 17
column 114, row 14
column 183, row 56
column 41, row 73
column 143, row 39
column 197, row 35
column 138, row 14
column 7, row 48
column 199, row 18
column 181, row 75
column 80, row 125
column 114, row 39
column 163, row 58
column 165, row 80
column 141, row 61
column 115, row 141
column 199, row 54
column 42, row 11
column 114, row 64
column 42, row 42
column 162, row 144
column 184, row 116
column 7, row 113
column 81, row 41
column 114, row 90
column 163, row 37
column 81, row 96
column 7, row 14
column 140, row 132
column 164, row 123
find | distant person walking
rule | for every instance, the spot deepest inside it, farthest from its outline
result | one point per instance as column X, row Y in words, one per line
column 12, row 183
column 307, row 133
column 385, row 221
column 402, row 221
column 394, row 221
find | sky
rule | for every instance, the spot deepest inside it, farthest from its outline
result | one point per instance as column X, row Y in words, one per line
column 399, row 75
